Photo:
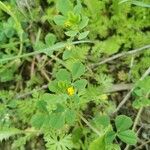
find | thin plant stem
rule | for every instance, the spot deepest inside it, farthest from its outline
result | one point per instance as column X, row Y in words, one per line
column 52, row 48
column 89, row 125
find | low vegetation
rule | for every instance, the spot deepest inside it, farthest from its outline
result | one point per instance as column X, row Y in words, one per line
column 74, row 74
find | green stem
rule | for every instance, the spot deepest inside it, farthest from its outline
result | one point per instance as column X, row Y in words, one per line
column 52, row 48
column 21, row 45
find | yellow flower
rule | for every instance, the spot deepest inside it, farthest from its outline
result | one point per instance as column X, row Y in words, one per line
column 103, row 97
column 70, row 91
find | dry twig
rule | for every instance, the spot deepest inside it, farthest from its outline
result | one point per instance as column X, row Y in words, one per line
column 120, row 55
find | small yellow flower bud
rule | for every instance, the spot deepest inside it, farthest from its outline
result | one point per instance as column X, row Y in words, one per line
column 69, row 46
column 103, row 97
column 70, row 91
column 67, row 24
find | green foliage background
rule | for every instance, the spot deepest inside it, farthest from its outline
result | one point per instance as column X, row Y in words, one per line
column 49, row 46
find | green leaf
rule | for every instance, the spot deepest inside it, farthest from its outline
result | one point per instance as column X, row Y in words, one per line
column 71, row 33
column 110, row 136
column 83, row 35
column 41, row 105
column 111, row 45
column 18, row 26
column 141, row 102
column 50, row 39
column 58, row 142
column 128, row 137
column 58, row 86
column 9, row 32
column 94, row 7
column 70, row 116
column 135, row 2
column 40, row 45
column 53, row 87
column 77, row 134
column 57, row 120
column 8, row 132
column 144, row 85
column 53, row 98
column 103, row 120
column 123, row 122
column 84, row 22
column 123, row 1
column 142, row 4
column 77, row 9
column 67, row 54
column 6, row 75
column 63, row 75
column 113, row 147
column 137, row 92
column 98, row 144
column 2, row 36
column 59, row 20
column 80, row 84
column 38, row 120
column 64, row 6
column 77, row 70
